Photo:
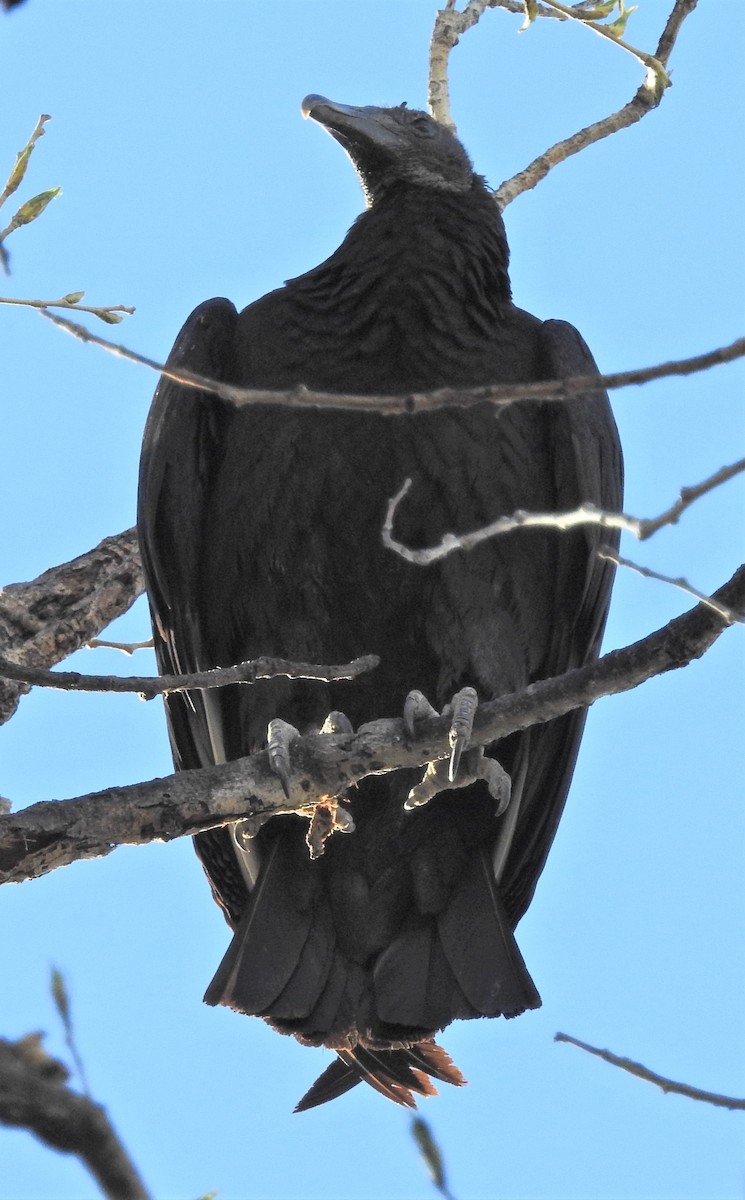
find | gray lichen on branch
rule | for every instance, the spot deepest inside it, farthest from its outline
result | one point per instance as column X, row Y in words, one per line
column 44, row 621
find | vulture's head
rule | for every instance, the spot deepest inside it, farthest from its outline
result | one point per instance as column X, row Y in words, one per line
column 394, row 145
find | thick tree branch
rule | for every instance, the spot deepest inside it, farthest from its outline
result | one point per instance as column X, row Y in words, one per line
column 641, row 1072
column 34, row 1095
column 412, row 402
column 53, row 834
column 44, row 621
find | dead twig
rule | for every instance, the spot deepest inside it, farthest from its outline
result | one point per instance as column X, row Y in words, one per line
column 641, row 1072
column 149, row 686
column 586, row 514
column 647, row 97
column 412, row 402
column 678, row 582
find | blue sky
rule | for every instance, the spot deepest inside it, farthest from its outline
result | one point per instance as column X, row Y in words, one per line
column 188, row 172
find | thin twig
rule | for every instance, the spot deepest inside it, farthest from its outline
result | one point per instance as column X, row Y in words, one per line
column 148, row 686
column 32, row 208
column 109, row 313
column 19, row 168
column 678, row 581
column 641, row 1072
column 508, row 393
column 648, row 60
column 586, row 514
column 647, row 97
column 128, row 648
column 687, row 497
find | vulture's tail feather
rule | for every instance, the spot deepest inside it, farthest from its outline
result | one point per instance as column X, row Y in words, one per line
column 396, row 1074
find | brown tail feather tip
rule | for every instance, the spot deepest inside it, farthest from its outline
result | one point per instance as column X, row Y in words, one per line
column 396, row 1074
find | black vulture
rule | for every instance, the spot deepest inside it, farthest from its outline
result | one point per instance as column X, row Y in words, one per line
column 261, row 535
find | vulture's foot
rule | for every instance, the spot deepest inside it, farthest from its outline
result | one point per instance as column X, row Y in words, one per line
column 465, row 765
column 280, row 735
column 325, row 817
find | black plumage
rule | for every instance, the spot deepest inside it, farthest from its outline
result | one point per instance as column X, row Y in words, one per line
column 260, row 532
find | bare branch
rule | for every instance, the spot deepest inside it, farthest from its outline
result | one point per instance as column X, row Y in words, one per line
column 677, row 581
column 148, row 686
column 681, row 10
column 51, row 834
column 687, row 497
column 128, row 648
column 44, row 621
column 34, row 1095
column 587, row 514
column 647, row 97
column 449, row 27
column 412, row 402
column 110, row 313
column 641, row 1072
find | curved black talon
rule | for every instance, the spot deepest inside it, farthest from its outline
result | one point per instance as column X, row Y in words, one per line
column 279, row 737
column 463, row 707
column 245, row 830
column 416, row 708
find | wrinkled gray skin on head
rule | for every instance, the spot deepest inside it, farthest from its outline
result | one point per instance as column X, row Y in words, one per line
column 394, row 145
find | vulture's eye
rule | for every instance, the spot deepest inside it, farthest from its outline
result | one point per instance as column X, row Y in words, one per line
column 424, row 126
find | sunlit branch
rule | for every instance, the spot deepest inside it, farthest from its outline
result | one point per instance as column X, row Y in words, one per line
column 148, row 686
column 109, row 313
column 51, row 834
column 586, row 514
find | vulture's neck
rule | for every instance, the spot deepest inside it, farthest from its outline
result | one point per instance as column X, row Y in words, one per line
column 425, row 251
